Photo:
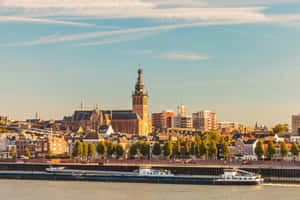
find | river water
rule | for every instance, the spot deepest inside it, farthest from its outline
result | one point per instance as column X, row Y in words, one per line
column 59, row 190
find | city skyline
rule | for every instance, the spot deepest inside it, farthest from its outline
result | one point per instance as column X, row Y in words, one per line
column 239, row 59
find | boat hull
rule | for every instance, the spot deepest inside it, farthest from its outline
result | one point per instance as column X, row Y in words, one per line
column 129, row 179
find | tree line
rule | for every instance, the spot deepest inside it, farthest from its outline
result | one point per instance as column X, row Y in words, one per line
column 270, row 151
column 206, row 146
column 83, row 150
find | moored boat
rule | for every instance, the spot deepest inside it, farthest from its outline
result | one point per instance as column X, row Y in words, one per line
column 239, row 177
column 149, row 175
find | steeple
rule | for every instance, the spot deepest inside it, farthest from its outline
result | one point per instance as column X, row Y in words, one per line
column 139, row 86
column 140, row 103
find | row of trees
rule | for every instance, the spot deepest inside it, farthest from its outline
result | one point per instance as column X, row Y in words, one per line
column 83, row 150
column 198, row 147
column 206, row 147
column 270, row 151
column 110, row 149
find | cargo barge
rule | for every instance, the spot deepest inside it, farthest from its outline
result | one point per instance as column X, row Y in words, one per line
column 143, row 175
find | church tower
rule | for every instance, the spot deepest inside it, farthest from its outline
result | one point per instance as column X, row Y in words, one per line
column 140, row 97
column 140, row 105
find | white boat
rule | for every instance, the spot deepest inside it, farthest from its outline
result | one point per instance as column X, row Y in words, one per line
column 154, row 173
column 237, row 176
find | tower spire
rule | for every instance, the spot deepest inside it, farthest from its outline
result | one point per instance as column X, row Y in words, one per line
column 139, row 86
column 140, row 104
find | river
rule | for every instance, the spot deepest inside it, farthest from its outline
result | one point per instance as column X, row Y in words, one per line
column 60, row 190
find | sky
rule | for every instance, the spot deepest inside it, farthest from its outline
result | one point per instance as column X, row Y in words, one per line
column 239, row 58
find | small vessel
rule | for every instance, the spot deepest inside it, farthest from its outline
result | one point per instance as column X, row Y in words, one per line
column 153, row 173
column 241, row 177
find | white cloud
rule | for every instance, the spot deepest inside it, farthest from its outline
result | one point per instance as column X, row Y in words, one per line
column 198, row 10
column 241, row 11
column 286, row 20
column 194, row 12
column 123, row 38
column 133, row 9
column 44, row 21
column 145, row 51
column 184, row 56
column 30, row 43
column 248, row 2
column 85, row 36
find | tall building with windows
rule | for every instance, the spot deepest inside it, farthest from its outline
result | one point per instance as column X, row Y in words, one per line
column 185, row 122
column 162, row 120
column 205, row 121
column 296, row 124
column 181, row 120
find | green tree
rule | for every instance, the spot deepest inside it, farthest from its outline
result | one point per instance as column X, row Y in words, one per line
column 197, row 148
column 156, row 149
column 259, row 149
column 85, row 150
column 193, row 148
column 110, row 148
column 49, row 155
column 197, row 139
column 214, row 135
column 281, row 128
column 77, row 150
column 178, row 147
column 12, row 153
column 206, row 138
column 224, row 149
column 284, row 150
column 27, row 153
column 168, row 149
column 203, row 150
column 187, row 148
column 295, row 150
column 213, row 150
column 119, row 151
column 91, row 150
column 133, row 150
column 222, row 140
column 145, row 149
column 101, row 148
column 271, row 150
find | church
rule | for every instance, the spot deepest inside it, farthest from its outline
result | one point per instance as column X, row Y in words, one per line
column 135, row 121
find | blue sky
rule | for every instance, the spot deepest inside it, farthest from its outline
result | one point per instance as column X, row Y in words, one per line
column 237, row 58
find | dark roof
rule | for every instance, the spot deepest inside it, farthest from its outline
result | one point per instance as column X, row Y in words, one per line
column 250, row 141
column 67, row 118
column 93, row 135
column 122, row 114
column 82, row 115
column 103, row 127
column 116, row 114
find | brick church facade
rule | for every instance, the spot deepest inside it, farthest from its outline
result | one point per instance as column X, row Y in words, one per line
column 135, row 121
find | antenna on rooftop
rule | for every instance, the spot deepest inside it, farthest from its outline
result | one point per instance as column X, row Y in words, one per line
column 82, row 105
column 36, row 115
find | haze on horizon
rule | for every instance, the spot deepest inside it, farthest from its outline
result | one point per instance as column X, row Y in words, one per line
column 237, row 58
